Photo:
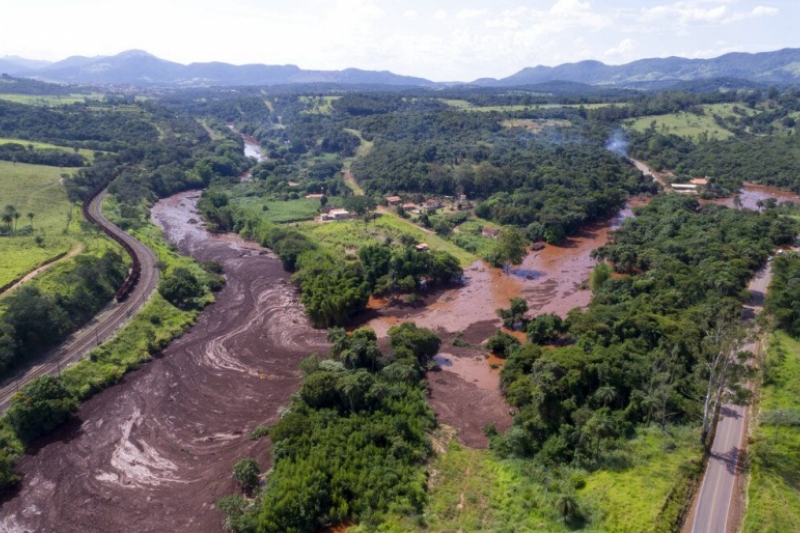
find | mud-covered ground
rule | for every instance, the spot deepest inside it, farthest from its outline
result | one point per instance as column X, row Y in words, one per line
column 157, row 450
column 154, row 453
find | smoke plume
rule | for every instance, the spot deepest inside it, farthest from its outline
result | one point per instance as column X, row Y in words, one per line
column 618, row 144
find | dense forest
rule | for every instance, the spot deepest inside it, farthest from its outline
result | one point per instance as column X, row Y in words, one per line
column 354, row 441
column 638, row 354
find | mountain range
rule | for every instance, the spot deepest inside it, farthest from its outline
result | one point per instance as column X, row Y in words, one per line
column 140, row 68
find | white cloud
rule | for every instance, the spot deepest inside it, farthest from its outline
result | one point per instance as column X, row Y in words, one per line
column 410, row 14
column 440, row 15
column 471, row 13
column 758, row 11
column 625, row 47
column 568, row 7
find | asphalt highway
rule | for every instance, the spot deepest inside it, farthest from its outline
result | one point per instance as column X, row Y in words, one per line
column 101, row 328
column 714, row 506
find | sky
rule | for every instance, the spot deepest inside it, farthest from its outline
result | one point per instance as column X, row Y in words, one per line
column 441, row 40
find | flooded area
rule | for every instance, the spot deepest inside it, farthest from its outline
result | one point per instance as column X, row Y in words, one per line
column 157, row 450
column 751, row 195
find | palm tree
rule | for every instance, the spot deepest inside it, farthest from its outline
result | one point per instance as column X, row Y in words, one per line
column 7, row 218
column 17, row 214
column 606, row 394
column 30, row 217
column 567, row 506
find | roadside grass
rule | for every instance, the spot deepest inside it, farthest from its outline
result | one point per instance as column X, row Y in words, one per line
column 473, row 490
column 50, row 100
column 88, row 154
column 35, row 189
column 343, row 236
column 682, row 124
column 774, row 489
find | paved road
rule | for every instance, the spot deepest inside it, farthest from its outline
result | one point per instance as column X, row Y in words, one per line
column 718, row 493
column 102, row 327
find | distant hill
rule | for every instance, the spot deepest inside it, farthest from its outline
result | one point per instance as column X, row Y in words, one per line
column 31, row 64
column 139, row 67
column 780, row 67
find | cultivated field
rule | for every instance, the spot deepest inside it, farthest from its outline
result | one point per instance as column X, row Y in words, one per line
column 35, row 189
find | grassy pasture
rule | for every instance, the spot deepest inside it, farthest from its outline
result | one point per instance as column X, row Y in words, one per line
column 774, row 489
column 343, row 235
column 682, row 124
column 319, row 104
column 282, row 212
column 88, row 154
column 467, row 106
column 50, row 100
column 35, row 189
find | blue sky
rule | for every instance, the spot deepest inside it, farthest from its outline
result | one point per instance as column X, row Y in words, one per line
column 440, row 40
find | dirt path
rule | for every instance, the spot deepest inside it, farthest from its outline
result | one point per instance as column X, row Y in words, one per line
column 47, row 266
column 157, row 451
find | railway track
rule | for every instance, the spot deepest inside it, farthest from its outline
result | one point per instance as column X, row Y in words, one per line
column 139, row 285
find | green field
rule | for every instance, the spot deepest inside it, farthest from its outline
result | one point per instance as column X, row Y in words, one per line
column 35, row 189
column 689, row 125
column 467, row 106
column 282, row 212
column 473, row 490
column 88, row 154
column 50, row 100
column 774, row 489
column 345, row 236
column 319, row 104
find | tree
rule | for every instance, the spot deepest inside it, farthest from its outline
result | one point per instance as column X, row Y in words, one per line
column 41, row 406
column 246, row 473
column 510, row 248
column 180, row 287
column 600, row 274
column 423, row 343
column 30, row 218
column 515, row 314
column 724, row 367
column 323, row 201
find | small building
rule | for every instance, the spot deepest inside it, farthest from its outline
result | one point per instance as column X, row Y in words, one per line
column 433, row 204
column 684, row 188
column 314, row 196
column 700, row 182
column 423, row 247
column 336, row 214
column 393, row 200
column 491, row 233
column 409, row 206
column 294, row 184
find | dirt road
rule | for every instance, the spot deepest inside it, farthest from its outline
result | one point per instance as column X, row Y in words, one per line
column 718, row 506
column 102, row 327
column 154, row 453
column 44, row 268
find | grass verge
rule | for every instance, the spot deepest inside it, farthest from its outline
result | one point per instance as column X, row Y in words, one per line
column 774, row 488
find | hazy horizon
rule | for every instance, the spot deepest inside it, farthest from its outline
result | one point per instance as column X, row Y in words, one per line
column 440, row 40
